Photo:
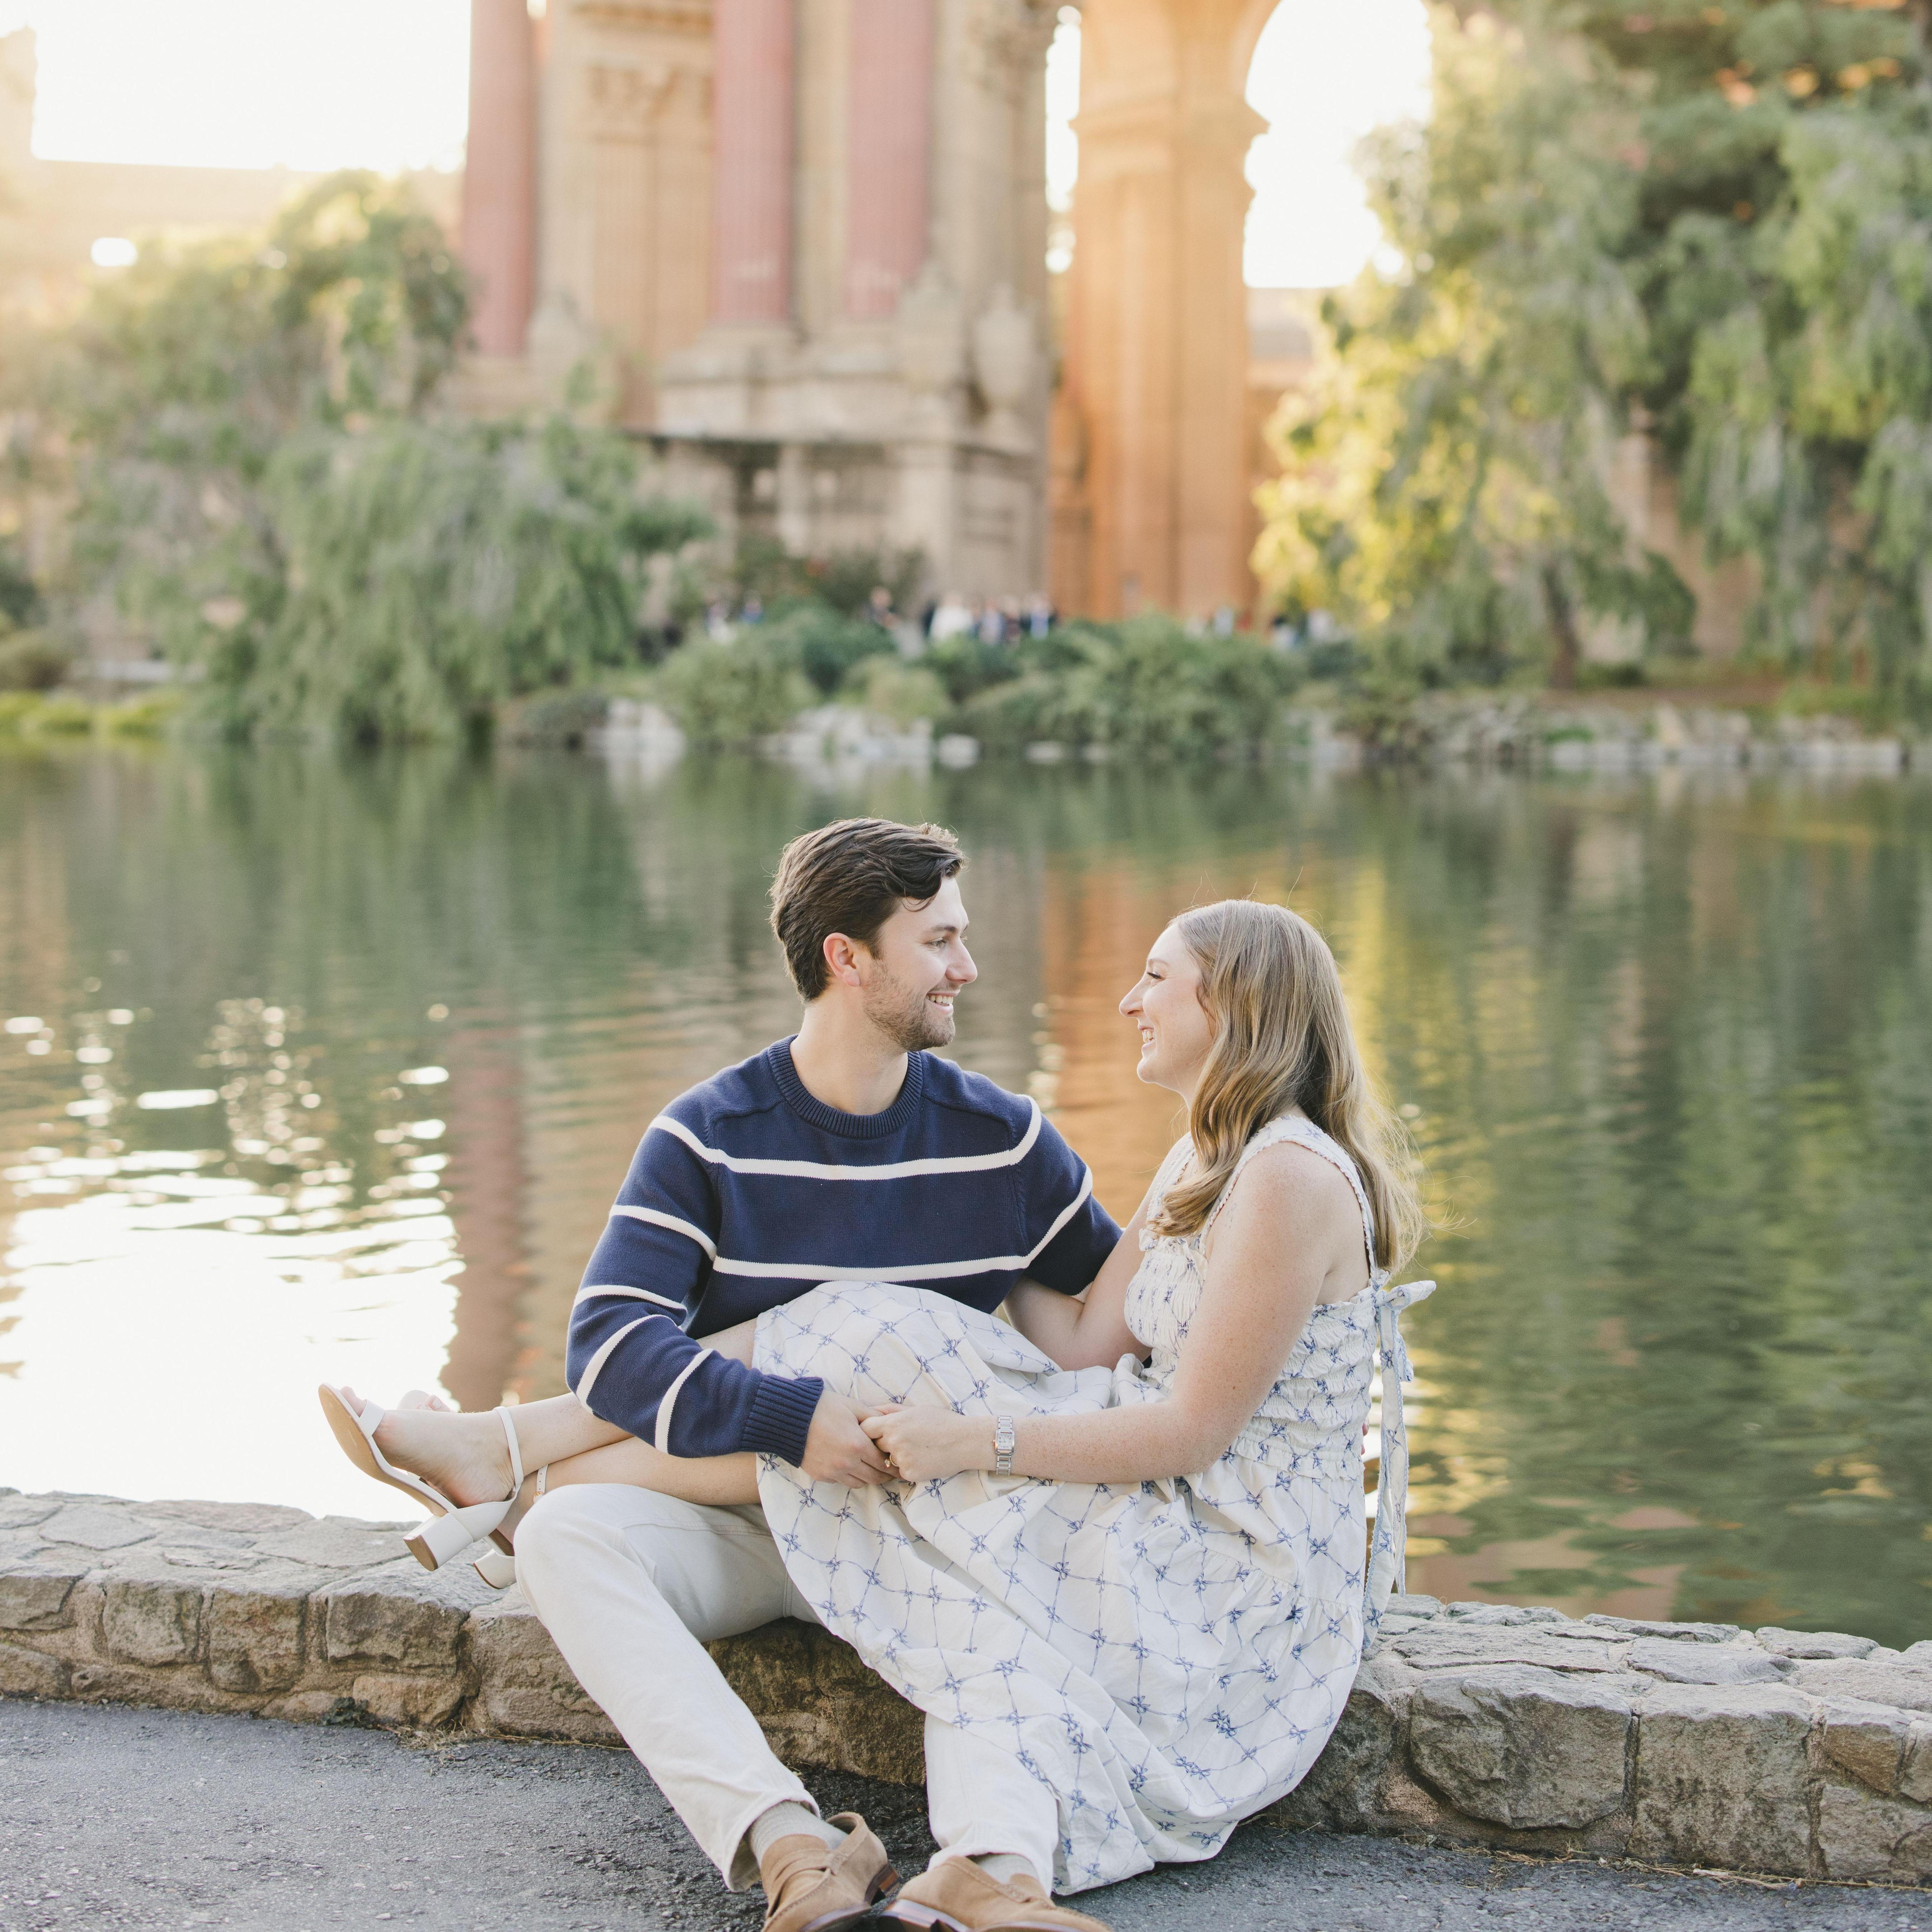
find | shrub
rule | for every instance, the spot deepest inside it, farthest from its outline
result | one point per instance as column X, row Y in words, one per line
column 557, row 718
column 731, row 693
column 32, row 661
column 1031, row 708
column 59, row 718
column 1150, row 687
column 147, row 717
column 890, row 689
column 823, row 645
column 966, row 667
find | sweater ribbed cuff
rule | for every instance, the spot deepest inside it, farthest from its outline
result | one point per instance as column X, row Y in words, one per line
column 781, row 1417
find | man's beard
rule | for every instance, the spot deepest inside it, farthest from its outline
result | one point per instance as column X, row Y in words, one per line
column 906, row 1016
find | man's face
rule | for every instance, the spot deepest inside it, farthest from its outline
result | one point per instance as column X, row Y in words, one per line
column 918, row 964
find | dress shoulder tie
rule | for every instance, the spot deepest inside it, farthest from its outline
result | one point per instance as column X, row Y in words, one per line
column 1387, row 1569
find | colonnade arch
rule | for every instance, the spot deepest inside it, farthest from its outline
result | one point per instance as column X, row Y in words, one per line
column 805, row 241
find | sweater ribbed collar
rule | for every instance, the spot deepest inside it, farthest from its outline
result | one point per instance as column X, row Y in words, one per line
column 831, row 1119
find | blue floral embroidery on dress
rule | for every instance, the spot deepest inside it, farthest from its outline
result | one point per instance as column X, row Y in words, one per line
column 1168, row 1657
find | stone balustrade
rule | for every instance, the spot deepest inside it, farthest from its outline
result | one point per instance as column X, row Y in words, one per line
column 1682, row 1744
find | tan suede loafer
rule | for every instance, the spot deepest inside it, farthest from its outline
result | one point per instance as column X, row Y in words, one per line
column 810, row 1888
column 956, row 1896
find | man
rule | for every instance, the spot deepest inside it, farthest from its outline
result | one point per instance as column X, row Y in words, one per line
column 850, row 1153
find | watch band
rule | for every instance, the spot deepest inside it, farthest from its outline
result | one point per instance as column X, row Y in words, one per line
column 1003, row 1445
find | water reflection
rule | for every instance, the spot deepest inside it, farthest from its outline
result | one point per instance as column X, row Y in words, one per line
column 335, row 1063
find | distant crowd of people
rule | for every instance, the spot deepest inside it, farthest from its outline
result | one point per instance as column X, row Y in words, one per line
column 1003, row 620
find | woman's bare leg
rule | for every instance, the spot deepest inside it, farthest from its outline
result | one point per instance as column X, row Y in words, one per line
column 697, row 1479
column 464, row 1455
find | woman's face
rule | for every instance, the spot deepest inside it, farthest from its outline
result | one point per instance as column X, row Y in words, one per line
column 1176, row 1029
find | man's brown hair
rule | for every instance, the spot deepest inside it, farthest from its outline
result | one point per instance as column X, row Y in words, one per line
column 850, row 878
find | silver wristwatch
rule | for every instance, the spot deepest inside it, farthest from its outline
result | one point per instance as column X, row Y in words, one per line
column 1003, row 1445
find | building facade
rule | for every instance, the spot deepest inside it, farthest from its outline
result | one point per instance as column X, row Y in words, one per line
column 801, row 244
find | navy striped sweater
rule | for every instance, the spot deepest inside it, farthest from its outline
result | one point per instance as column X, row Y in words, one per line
column 745, row 1192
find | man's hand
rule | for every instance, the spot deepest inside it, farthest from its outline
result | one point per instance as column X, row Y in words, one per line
column 838, row 1450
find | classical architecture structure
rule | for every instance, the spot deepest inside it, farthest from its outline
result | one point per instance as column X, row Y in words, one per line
column 801, row 243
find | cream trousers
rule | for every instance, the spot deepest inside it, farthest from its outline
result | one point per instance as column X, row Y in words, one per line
column 632, row 1585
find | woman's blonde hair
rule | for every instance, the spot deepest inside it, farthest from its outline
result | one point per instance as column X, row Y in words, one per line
column 1282, row 1039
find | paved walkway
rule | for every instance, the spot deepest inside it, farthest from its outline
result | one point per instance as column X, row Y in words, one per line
column 116, row 1817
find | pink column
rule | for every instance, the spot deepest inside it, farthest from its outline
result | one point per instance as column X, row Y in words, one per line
column 499, row 206
column 752, row 137
column 890, row 136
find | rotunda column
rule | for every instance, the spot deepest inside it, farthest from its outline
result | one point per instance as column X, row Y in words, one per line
column 889, row 165
column 752, row 43
column 500, row 173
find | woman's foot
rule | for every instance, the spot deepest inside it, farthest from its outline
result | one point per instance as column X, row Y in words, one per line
column 465, row 1456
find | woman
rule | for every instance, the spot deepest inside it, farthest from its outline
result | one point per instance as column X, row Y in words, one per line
column 1165, row 1629
column 1127, row 1543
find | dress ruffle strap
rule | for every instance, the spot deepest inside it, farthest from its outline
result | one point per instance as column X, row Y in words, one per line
column 1388, row 1545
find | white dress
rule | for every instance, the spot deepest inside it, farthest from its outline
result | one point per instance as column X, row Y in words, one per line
column 1168, row 1657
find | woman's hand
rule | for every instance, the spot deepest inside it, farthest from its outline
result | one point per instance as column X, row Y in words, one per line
column 925, row 1445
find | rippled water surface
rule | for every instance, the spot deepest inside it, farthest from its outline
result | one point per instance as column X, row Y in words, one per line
column 325, row 1067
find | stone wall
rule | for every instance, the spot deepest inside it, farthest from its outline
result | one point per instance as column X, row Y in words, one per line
column 1702, row 1745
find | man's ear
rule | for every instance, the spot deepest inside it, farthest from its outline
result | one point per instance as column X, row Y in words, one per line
column 841, row 959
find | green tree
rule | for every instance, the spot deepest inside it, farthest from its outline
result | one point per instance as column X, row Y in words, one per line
column 1711, row 223
column 262, row 477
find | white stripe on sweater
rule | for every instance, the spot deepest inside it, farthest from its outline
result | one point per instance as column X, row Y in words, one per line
column 658, row 1220
column 594, row 1367
column 914, row 1271
column 669, row 1397
column 592, row 1294
column 820, row 1170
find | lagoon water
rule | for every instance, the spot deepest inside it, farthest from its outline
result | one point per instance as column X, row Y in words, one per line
column 327, row 1065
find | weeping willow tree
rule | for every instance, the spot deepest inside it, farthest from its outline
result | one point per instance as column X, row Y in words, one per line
column 263, row 478
column 1708, row 224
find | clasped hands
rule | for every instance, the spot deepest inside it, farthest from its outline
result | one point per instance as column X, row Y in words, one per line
column 857, row 1444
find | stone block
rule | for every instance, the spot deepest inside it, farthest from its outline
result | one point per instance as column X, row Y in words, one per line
column 20, row 1512
column 26, row 1673
column 414, row 1703
column 1523, row 1746
column 821, row 1706
column 1862, row 1836
column 1907, row 1685
column 1706, row 1663
column 38, row 1597
column 171, row 1689
column 1868, row 1742
column 1814, row 1645
column 97, row 1526
column 520, row 1711
column 1503, row 1616
column 1721, row 1777
column 1920, row 1652
column 308, row 1707
column 146, row 1621
column 336, row 1542
column 1346, row 1790
column 1440, row 1644
column 254, row 1639
column 244, row 1519
column 382, row 1619
column 1647, row 1626
column 524, row 1689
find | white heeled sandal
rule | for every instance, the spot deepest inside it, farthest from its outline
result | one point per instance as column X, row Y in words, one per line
column 451, row 1530
column 498, row 1567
